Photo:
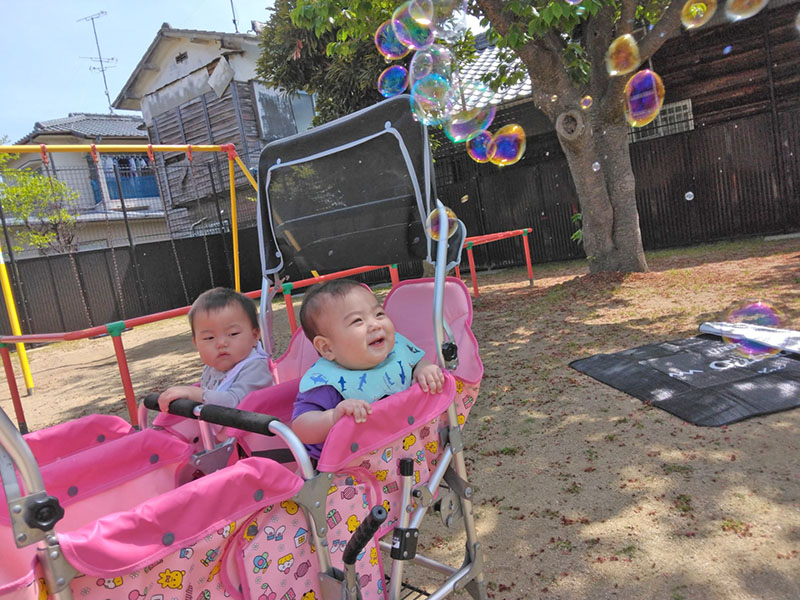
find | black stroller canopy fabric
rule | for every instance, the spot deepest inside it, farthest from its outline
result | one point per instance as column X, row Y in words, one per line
column 349, row 193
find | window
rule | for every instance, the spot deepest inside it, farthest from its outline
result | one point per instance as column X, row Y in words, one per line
column 281, row 114
column 675, row 117
column 181, row 57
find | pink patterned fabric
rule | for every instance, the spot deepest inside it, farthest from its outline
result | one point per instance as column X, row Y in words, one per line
column 178, row 544
column 64, row 439
column 279, row 562
column 405, row 425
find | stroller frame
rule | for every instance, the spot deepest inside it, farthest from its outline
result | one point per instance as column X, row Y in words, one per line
column 34, row 514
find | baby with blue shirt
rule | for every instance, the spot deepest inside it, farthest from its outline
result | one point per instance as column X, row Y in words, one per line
column 362, row 359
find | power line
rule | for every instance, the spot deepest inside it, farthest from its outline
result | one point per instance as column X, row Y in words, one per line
column 102, row 62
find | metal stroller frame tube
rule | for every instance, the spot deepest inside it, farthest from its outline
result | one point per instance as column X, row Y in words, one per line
column 299, row 451
column 57, row 572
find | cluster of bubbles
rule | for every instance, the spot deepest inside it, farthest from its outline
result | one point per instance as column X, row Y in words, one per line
column 464, row 109
column 753, row 312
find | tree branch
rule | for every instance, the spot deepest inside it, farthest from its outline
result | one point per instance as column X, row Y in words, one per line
column 627, row 16
column 669, row 23
column 542, row 56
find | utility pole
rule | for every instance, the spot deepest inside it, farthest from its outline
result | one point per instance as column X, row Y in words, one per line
column 99, row 59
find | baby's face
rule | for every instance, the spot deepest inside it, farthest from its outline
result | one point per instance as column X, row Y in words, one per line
column 354, row 331
column 224, row 337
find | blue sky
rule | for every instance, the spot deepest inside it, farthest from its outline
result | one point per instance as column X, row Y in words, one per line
column 43, row 75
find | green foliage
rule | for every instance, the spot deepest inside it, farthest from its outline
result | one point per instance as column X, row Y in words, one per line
column 577, row 236
column 294, row 59
column 44, row 205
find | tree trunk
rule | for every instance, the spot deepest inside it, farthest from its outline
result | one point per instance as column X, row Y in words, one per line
column 599, row 159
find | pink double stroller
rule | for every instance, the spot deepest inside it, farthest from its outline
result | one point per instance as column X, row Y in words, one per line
column 181, row 511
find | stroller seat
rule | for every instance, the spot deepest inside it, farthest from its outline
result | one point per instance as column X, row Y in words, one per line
column 99, row 480
column 61, row 440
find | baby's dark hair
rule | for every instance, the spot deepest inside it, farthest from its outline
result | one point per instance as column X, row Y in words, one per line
column 218, row 298
column 314, row 302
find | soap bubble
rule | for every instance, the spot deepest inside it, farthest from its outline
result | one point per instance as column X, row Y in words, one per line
column 727, row 50
column 429, row 99
column 393, row 81
column 586, row 102
column 574, row 2
column 447, row 19
column 387, row 43
column 421, row 11
column 623, row 55
column 470, row 109
column 689, row 196
column 432, row 223
column 737, row 10
column 595, row 166
column 797, row 22
column 753, row 312
column 433, row 60
column 507, row 145
column 696, row 13
column 408, row 31
column 478, row 147
column 644, row 95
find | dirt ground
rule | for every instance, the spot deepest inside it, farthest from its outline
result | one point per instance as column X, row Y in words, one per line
column 581, row 491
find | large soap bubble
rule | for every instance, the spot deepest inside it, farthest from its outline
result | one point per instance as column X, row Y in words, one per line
column 429, row 99
column 408, row 31
column 737, row 10
column 478, row 147
column 433, row 60
column 387, row 43
column 393, row 81
column 696, row 13
column 507, row 145
column 470, row 110
column 432, row 223
column 753, row 312
column 644, row 95
column 623, row 55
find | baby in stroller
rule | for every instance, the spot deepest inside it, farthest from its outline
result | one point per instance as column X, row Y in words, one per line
column 225, row 332
column 362, row 359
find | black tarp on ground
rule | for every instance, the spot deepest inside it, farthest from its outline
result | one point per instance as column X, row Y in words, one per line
column 702, row 380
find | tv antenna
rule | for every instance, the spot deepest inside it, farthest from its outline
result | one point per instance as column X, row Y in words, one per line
column 102, row 62
column 233, row 10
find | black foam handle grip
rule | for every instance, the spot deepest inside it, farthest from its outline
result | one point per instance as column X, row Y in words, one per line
column 363, row 534
column 239, row 419
column 182, row 407
column 219, row 415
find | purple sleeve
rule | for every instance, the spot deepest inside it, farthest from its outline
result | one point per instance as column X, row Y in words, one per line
column 319, row 398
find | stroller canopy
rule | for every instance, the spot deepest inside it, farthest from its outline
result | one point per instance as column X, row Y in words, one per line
column 353, row 192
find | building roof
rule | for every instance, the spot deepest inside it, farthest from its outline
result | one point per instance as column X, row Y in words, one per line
column 226, row 40
column 488, row 61
column 90, row 126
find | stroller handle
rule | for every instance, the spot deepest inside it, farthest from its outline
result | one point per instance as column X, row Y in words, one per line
column 364, row 534
column 219, row 415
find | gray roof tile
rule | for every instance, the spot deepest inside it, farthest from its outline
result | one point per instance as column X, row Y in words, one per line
column 488, row 62
column 88, row 125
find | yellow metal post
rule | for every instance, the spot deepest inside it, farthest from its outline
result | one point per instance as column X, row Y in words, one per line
column 234, row 225
column 11, row 308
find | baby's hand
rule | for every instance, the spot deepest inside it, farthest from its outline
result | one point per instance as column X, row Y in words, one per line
column 429, row 376
column 358, row 409
column 169, row 395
